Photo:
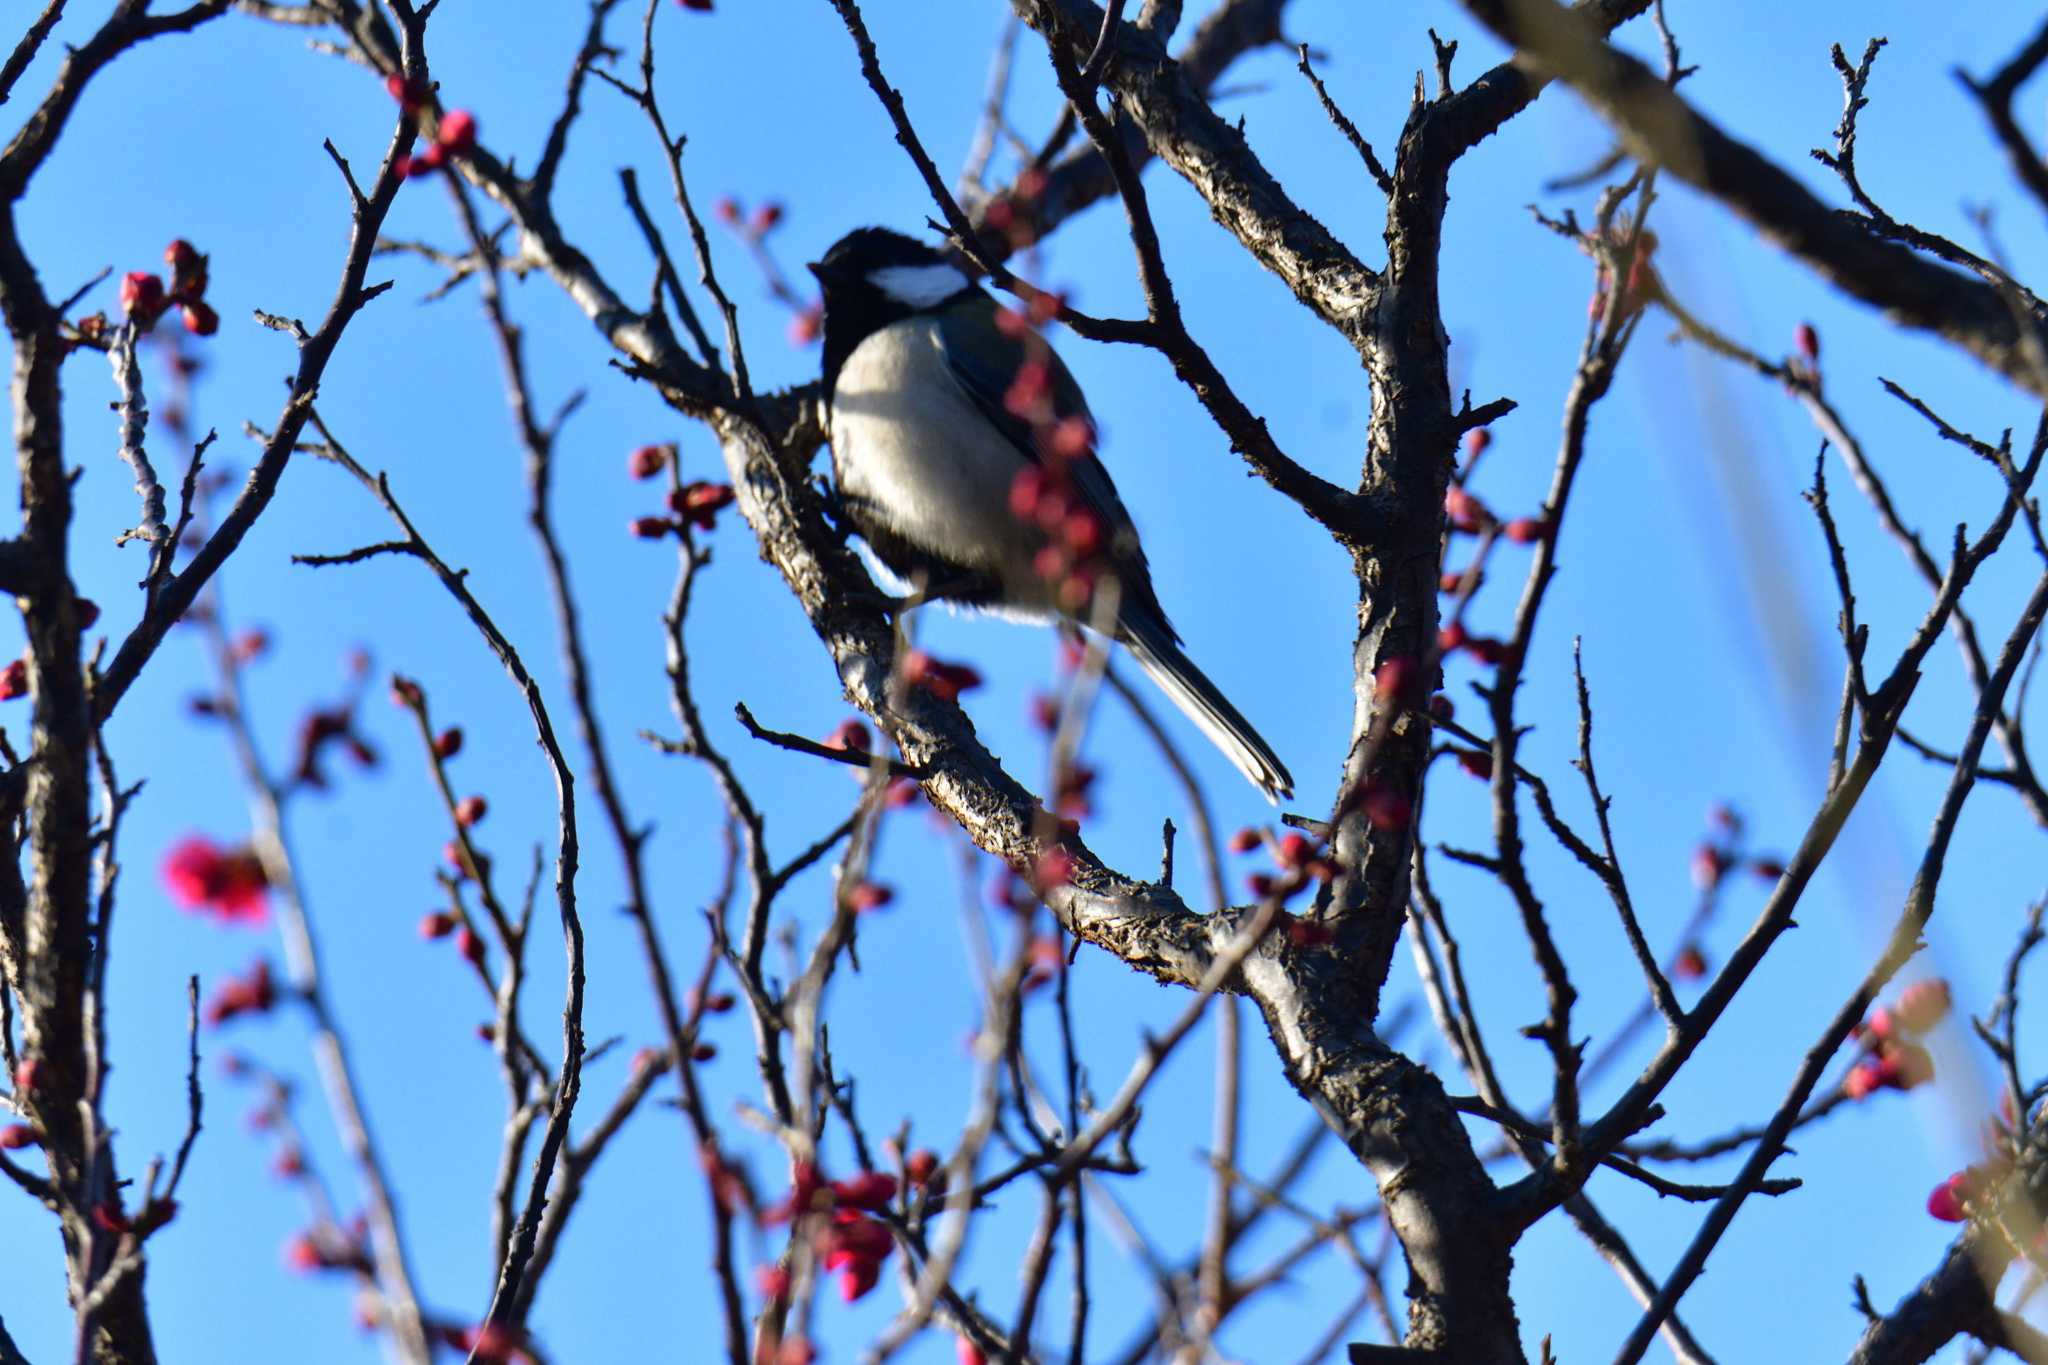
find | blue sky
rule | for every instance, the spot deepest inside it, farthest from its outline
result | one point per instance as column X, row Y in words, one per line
column 1689, row 566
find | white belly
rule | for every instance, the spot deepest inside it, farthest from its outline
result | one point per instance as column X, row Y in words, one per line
column 934, row 468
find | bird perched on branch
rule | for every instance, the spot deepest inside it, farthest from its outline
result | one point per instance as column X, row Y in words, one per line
column 964, row 456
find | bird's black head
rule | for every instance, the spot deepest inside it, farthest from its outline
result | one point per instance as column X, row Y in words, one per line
column 872, row 277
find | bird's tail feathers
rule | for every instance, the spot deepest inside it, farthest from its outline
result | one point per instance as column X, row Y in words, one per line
column 1151, row 642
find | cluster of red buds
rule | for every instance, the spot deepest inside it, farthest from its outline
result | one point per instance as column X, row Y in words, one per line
column 847, row 1239
column 766, row 217
column 226, row 882
column 1300, row 861
column 694, row 504
column 254, row 992
column 454, row 138
column 943, row 680
column 1718, row 854
column 144, row 297
column 1721, row 851
column 1892, row 1058
column 1466, row 514
column 1643, row 286
column 1014, row 213
column 322, row 728
column 1951, row 1200
column 1972, row 1191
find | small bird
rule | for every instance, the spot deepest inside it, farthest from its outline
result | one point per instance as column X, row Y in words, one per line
column 942, row 418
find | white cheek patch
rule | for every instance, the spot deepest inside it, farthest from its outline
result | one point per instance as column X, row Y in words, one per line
column 918, row 286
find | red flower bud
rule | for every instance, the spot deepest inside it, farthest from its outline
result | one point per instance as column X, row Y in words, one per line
column 1770, row 869
column 1451, row 637
column 181, row 256
column 437, row 924
column 647, row 461
column 142, row 297
column 1466, row 512
column 1386, row 808
column 448, row 743
column 866, row 896
column 27, row 1072
column 1526, row 530
column 807, row 325
column 1245, row 840
column 725, row 207
column 850, row 737
column 871, row 1190
column 457, row 132
column 200, row 319
column 920, row 1166
column 767, row 217
column 650, row 528
column 1055, row 867
column 16, row 1136
column 943, row 680
column 1477, row 440
column 703, row 1052
column 14, row 680
column 1398, row 680
column 1690, row 965
column 1946, row 1202
column 1708, row 863
column 469, row 810
column 1863, row 1078
column 1808, row 341
column 1477, row 763
column 410, row 95
column 968, row 1353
